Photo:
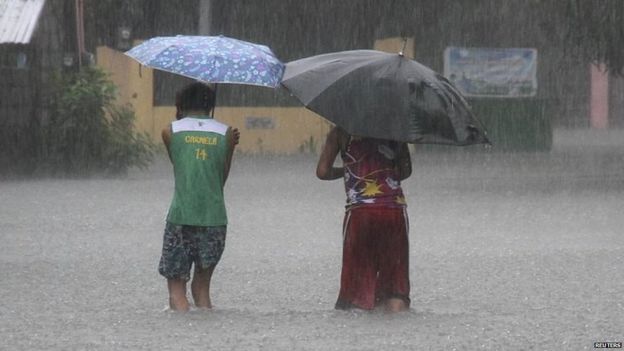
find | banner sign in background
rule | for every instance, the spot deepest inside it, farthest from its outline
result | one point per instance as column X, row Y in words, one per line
column 484, row 72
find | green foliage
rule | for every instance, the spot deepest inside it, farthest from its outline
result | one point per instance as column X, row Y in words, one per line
column 87, row 134
column 598, row 28
column 126, row 147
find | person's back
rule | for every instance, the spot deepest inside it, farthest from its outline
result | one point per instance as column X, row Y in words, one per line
column 200, row 150
column 371, row 177
column 375, row 259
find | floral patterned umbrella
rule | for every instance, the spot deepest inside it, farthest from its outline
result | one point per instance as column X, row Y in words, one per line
column 211, row 59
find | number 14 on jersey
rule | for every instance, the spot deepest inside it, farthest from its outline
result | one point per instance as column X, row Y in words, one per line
column 201, row 154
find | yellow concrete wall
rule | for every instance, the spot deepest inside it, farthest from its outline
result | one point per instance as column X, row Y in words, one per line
column 294, row 129
column 291, row 129
column 134, row 83
column 395, row 44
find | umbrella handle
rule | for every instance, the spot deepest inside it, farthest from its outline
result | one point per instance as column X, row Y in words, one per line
column 215, row 99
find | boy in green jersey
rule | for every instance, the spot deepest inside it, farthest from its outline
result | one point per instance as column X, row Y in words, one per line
column 200, row 149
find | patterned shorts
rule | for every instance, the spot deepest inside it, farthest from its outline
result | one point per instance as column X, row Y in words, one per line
column 184, row 245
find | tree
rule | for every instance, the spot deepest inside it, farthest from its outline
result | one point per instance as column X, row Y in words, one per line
column 595, row 30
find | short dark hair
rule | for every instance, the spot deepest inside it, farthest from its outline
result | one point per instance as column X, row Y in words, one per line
column 196, row 96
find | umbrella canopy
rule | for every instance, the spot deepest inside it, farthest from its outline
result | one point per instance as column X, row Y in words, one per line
column 377, row 94
column 211, row 59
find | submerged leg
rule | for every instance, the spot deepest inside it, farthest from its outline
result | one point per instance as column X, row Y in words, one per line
column 200, row 287
column 396, row 305
column 393, row 285
column 177, row 295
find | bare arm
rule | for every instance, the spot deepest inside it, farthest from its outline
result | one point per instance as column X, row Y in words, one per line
column 403, row 166
column 325, row 169
column 166, row 137
column 231, row 137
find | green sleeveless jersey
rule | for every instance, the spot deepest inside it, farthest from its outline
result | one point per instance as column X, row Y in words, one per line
column 198, row 150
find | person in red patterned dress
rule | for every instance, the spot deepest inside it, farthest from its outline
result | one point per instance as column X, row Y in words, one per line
column 375, row 257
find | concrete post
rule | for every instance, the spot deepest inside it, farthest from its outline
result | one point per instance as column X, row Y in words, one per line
column 599, row 97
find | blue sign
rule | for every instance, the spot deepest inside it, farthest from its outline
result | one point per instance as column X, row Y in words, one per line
column 485, row 72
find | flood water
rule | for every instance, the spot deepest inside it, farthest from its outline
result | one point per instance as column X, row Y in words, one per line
column 507, row 252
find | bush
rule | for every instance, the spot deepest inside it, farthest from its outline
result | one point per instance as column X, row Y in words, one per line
column 87, row 133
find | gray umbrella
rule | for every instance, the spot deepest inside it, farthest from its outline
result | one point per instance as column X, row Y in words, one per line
column 377, row 94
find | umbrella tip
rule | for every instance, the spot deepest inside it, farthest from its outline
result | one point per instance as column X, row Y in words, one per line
column 403, row 47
